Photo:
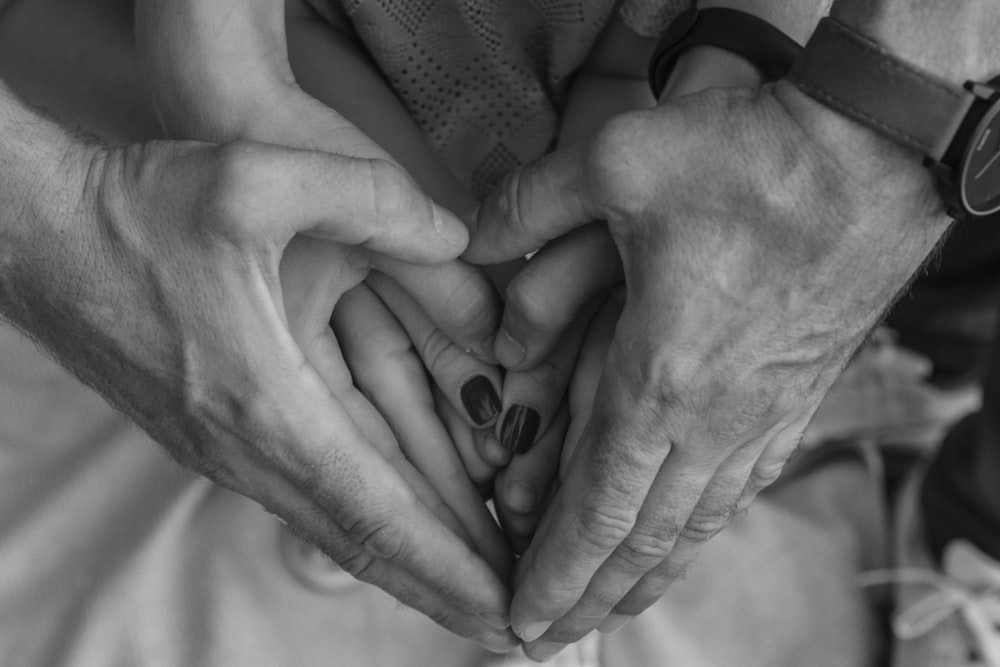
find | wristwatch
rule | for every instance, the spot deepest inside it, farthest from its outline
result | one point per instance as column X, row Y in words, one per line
column 768, row 49
column 956, row 128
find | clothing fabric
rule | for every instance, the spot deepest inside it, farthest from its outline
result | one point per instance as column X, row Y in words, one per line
column 486, row 80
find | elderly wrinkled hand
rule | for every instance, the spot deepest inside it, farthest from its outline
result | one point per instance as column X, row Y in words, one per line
column 747, row 257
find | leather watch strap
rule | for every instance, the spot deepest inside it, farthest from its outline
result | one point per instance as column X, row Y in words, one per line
column 767, row 48
column 855, row 75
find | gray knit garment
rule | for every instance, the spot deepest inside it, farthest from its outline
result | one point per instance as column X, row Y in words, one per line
column 486, row 80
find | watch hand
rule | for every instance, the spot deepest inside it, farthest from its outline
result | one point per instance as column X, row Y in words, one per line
column 987, row 165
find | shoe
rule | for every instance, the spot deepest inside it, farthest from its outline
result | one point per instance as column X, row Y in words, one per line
column 944, row 617
column 885, row 396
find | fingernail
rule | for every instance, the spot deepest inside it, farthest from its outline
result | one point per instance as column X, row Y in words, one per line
column 470, row 218
column 545, row 651
column 449, row 227
column 496, row 453
column 509, row 352
column 521, row 497
column 613, row 623
column 495, row 621
column 533, row 631
column 519, row 428
column 480, row 399
column 486, row 350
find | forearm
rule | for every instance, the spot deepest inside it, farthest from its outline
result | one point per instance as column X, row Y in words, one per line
column 41, row 188
column 953, row 41
column 922, row 32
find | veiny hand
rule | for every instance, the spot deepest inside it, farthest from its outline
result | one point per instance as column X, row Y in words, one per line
column 762, row 237
column 162, row 289
column 219, row 71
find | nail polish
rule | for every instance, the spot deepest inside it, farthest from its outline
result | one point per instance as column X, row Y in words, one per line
column 480, row 399
column 519, row 428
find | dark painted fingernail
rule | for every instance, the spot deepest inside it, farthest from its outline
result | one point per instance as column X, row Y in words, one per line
column 480, row 399
column 519, row 428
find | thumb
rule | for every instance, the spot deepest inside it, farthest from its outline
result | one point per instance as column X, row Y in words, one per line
column 368, row 202
column 535, row 203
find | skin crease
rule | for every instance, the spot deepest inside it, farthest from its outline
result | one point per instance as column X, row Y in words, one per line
column 834, row 221
column 844, row 147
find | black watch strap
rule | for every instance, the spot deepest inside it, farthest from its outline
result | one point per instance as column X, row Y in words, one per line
column 767, row 48
column 856, row 76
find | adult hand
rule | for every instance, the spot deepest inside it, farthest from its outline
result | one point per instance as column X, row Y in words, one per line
column 153, row 273
column 219, row 71
column 762, row 237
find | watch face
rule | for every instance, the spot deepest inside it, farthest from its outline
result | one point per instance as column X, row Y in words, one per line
column 980, row 182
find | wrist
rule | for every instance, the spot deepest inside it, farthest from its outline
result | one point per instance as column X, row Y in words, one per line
column 895, row 209
column 44, row 213
column 953, row 40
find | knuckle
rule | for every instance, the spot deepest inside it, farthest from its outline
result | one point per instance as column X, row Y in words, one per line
column 380, row 537
column 240, row 176
column 702, row 527
column 642, row 552
column 611, row 162
column 603, row 528
column 473, row 312
column 391, row 191
column 437, row 351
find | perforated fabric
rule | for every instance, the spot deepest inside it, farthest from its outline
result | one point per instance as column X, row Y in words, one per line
column 486, row 80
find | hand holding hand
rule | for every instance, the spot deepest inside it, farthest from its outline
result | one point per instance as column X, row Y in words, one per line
column 755, row 263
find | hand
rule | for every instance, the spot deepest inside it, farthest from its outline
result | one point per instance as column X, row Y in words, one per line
column 154, row 275
column 220, row 71
column 755, row 262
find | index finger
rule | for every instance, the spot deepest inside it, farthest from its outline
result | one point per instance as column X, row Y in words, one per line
column 535, row 203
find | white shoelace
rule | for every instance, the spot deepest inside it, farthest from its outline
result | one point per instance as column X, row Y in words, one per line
column 978, row 607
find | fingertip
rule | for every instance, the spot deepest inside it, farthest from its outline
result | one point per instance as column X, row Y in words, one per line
column 508, row 350
column 494, row 452
column 531, row 631
column 521, row 497
column 452, row 231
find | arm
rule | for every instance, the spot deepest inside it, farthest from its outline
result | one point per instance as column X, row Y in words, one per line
column 152, row 272
column 748, row 292
column 223, row 71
